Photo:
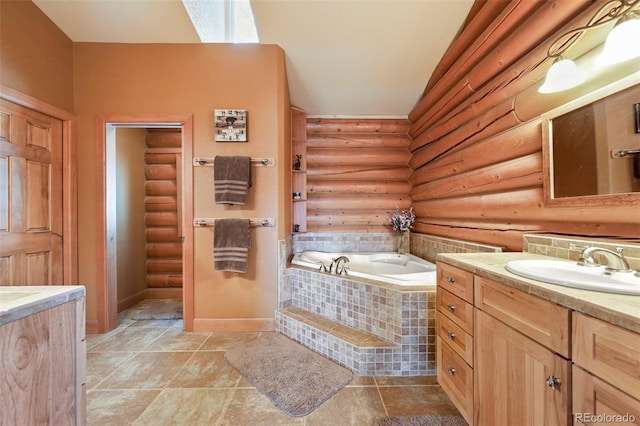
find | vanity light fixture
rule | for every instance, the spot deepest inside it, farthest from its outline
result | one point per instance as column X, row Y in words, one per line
column 622, row 44
column 562, row 75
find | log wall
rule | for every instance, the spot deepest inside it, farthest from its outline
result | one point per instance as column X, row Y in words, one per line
column 357, row 172
column 476, row 145
column 162, row 204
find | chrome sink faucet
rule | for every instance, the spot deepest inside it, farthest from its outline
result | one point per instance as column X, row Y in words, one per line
column 615, row 259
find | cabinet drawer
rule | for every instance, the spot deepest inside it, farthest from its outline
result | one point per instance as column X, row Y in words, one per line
column 456, row 309
column 594, row 397
column 456, row 280
column 541, row 320
column 456, row 379
column 454, row 336
column 609, row 352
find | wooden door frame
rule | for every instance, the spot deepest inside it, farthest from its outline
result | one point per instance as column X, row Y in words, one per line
column 105, row 286
column 69, row 176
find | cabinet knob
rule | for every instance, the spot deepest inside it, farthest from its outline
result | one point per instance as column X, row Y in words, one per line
column 451, row 335
column 451, row 371
column 553, row 382
column 451, row 308
column 451, row 280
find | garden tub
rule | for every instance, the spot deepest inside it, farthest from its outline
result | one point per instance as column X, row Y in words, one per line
column 389, row 267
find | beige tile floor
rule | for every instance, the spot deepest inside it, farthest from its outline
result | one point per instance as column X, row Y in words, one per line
column 151, row 372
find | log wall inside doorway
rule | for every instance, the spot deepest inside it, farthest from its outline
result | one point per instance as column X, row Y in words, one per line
column 163, row 208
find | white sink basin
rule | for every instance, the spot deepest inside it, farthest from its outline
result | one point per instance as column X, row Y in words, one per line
column 570, row 274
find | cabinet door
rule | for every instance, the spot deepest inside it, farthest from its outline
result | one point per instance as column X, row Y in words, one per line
column 595, row 401
column 609, row 352
column 510, row 378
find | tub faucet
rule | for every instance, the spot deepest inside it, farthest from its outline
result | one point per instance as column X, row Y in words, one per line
column 323, row 267
column 615, row 259
column 339, row 271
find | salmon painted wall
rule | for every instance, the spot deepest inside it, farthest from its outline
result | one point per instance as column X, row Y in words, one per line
column 31, row 43
column 195, row 79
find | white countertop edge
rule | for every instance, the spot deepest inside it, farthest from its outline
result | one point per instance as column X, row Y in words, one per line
column 44, row 297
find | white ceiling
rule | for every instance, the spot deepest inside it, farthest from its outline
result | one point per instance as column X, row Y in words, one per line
column 344, row 57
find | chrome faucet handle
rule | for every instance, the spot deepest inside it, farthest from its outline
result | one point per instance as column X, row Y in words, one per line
column 586, row 259
column 323, row 267
column 574, row 246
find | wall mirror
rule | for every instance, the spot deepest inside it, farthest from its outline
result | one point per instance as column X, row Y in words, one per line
column 591, row 147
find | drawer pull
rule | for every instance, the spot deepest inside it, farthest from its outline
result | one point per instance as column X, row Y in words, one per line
column 451, row 371
column 553, row 382
column 451, row 308
column 451, row 335
column 451, row 280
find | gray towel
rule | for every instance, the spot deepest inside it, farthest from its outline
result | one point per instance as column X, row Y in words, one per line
column 232, row 179
column 231, row 242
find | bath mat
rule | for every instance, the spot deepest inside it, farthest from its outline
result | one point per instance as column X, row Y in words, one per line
column 293, row 377
column 431, row 420
column 158, row 309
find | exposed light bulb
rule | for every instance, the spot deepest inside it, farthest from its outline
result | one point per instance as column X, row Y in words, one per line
column 623, row 42
column 562, row 75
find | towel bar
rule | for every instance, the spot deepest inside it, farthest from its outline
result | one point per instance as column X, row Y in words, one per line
column 266, row 162
column 270, row 222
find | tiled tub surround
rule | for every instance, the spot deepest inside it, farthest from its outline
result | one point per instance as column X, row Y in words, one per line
column 422, row 245
column 344, row 242
column 339, row 317
column 370, row 327
column 428, row 246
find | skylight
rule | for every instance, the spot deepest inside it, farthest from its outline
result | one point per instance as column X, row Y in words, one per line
column 222, row 21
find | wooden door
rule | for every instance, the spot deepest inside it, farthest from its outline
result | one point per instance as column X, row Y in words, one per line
column 510, row 378
column 31, row 251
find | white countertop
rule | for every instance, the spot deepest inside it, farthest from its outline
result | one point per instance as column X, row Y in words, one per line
column 17, row 302
column 617, row 309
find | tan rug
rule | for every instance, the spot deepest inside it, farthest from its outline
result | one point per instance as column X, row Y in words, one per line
column 432, row 420
column 294, row 377
column 158, row 309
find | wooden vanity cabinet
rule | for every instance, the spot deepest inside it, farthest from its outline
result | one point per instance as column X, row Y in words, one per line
column 606, row 372
column 521, row 373
column 454, row 336
column 43, row 364
column 509, row 353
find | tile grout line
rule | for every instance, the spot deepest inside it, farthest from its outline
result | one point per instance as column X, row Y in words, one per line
column 384, row 406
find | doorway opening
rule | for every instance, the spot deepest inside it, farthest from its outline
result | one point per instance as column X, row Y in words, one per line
column 158, row 267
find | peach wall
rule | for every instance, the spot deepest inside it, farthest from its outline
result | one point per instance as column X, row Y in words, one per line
column 195, row 79
column 31, row 43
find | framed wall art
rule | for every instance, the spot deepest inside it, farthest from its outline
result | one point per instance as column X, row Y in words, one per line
column 230, row 125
